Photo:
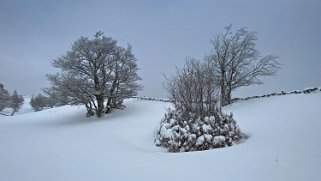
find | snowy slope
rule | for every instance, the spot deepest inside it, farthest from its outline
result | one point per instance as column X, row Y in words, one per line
column 61, row 144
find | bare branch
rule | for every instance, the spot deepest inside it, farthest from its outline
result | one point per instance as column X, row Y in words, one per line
column 237, row 63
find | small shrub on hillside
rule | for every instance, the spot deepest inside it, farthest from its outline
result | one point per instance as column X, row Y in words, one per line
column 177, row 134
column 197, row 123
column 38, row 102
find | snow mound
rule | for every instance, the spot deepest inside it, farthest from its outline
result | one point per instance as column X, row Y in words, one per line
column 179, row 135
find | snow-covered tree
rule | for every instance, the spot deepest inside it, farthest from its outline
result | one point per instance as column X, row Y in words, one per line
column 197, row 123
column 38, row 102
column 4, row 97
column 73, row 90
column 94, row 70
column 237, row 62
column 16, row 101
column 124, row 80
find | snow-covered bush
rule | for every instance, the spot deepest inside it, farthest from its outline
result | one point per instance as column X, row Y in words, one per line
column 197, row 123
column 310, row 90
column 38, row 102
column 180, row 135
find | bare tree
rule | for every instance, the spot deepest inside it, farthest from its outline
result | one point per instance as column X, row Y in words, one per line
column 94, row 70
column 197, row 123
column 193, row 90
column 237, row 63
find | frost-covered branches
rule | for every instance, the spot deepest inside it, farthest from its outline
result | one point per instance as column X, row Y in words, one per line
column 177, row 134
column 94, row 70
column 192, row 89
column 238, row 63
column 197, row 123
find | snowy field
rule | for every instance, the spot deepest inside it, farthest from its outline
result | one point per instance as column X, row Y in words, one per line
column 61, row 144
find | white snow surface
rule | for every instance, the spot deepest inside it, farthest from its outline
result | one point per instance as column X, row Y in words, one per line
column 62, row 144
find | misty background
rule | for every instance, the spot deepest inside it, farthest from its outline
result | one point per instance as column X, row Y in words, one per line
column 163, row 33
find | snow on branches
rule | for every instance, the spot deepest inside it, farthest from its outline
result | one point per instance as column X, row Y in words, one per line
column 179, row 135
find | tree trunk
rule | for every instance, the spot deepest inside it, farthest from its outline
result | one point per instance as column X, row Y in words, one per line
column 223, row 84
column 223, row 96
column 13, row 112
column 111, row 98
column 228, row 99
column 100, row 105
column 108, row 107
column 227, row 94
column 90, row 111
column 223, row 90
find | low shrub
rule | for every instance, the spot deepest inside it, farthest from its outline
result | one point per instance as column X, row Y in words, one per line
column 179, row 135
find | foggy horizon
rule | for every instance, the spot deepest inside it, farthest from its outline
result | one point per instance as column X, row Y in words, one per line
column 162, row 34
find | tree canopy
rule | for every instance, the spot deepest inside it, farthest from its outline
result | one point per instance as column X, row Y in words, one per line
column 96, row 70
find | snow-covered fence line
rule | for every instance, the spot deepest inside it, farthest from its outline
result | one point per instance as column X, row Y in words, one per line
column 151, row 99
column 305, row 91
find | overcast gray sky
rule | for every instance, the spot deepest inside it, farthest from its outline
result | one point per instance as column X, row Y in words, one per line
column 162, row 33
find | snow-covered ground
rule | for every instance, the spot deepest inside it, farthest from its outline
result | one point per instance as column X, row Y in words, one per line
column 61, row 144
